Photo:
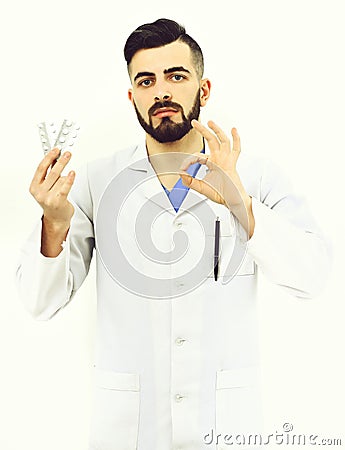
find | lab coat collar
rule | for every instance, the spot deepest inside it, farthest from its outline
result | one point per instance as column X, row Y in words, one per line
column 151, row 187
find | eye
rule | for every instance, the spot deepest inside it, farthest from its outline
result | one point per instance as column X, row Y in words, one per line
column 178, row 77
column 146, row 83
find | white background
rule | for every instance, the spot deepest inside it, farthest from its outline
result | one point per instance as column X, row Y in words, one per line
column 277, row 69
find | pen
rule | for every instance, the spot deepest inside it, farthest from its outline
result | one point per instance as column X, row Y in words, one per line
column 216, row 248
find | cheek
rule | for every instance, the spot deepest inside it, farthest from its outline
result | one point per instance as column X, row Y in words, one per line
column 142, row 104
column 192, row 95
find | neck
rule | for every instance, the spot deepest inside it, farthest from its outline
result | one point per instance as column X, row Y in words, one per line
column 192, row 142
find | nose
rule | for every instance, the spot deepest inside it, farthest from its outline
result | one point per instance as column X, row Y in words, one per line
column 162, row 95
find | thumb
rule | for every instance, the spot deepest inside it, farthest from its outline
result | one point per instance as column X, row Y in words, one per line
column 191, row 182
column 186, row 178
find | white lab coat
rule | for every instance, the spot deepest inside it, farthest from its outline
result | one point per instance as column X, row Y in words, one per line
column 170, row 372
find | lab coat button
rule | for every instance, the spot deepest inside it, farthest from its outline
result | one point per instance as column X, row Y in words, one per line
column 179, row 341
column 178, row 224
column 178, row 397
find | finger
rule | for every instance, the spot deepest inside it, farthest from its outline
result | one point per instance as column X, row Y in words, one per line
column 56, row 171
column 201, row 158
column 206, row 133
column 236, row 147
column 68, row 183
column 64, row 184
column 43, row 166
column 223, row 138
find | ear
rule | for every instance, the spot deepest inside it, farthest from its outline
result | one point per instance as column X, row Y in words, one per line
column 130, row 95
column 205, row 90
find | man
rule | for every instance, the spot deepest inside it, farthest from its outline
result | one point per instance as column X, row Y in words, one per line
column 177, row 358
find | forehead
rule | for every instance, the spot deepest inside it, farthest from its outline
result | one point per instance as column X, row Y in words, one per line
column 158, row 59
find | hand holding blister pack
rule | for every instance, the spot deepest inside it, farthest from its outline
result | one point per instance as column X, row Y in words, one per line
column 50, row 187
column 63, row 140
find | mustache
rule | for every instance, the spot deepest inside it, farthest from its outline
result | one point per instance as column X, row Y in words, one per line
column 165, row 104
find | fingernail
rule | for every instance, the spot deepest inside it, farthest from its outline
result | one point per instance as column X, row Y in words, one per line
column 66, row 155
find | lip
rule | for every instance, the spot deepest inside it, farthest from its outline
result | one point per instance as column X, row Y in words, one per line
column 164, row 112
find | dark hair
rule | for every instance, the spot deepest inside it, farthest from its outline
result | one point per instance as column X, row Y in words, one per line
column 159, row 33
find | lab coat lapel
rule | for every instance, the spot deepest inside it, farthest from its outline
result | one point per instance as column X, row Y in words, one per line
column 150, row 188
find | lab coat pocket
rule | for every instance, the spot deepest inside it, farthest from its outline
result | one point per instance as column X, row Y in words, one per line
column 238, row 405
column 233, row 257
column 115, row 417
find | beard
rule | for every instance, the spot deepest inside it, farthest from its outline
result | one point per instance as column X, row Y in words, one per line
column 167, row 130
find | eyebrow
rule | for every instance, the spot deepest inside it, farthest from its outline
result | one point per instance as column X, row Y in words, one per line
column 170, row 70
column 143, row 74
column 176, row 69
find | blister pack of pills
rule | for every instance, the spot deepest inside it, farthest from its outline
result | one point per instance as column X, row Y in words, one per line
column 63, row 140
